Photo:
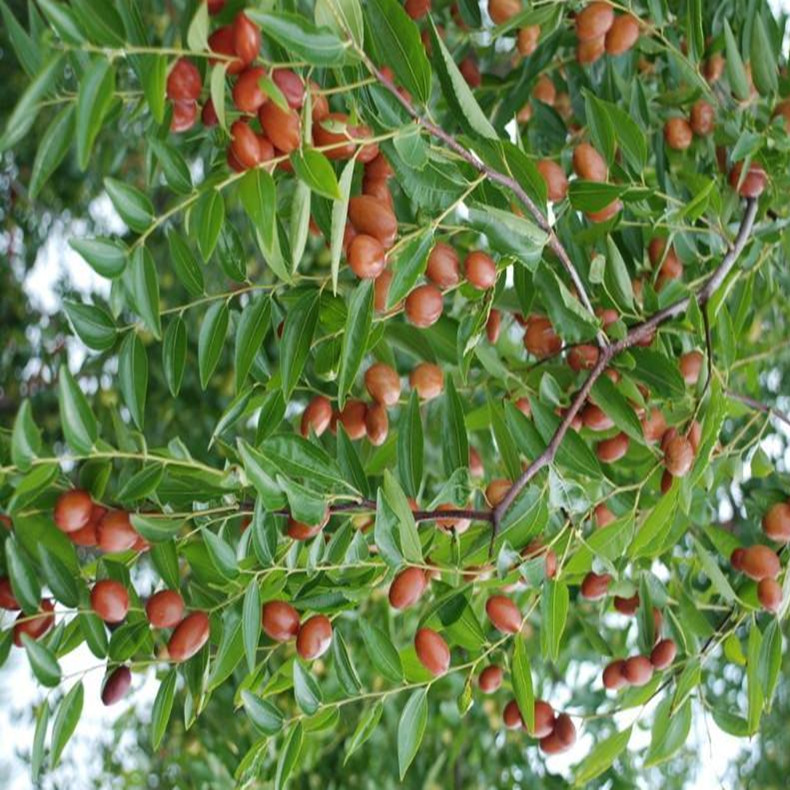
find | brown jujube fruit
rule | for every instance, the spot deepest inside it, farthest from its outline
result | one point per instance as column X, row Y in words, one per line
column 73, row 510
column 595, row 418
column 248, row 96
column 244, row 144
column 281, row 126
column 555, row 178
column 511, row 716
column 663, row 654
column 760, row 562
column 407, row 588
column 424, row 306
column 490, row 679
column 622, row 35
column 544, row 90
column 606, row 213
column 320, row 104
column 613, row 677
column 480, row 270
column 564, row 730
column 736, row 558
column 690, row 365
column 638, row 670
column 713, row 67
column 627, row 606
column 215, row 6
column 594, row 20
column 603, row 516
column 7, row 599
column 678, row 456
column 493, row 325
column 366, row 257
column 496, row 491
column 110, row 600
column 417, row 9
column 442, row 266
column 694, row 435
column 352, row 417
column 246, row 38
column 501, row 11
column 221, row 42
column 475, row 463
column 776, row 522
column 379, row 189
column 208, row 115
column 527, row 39
column 612, row 450
column 314, row 637
column 34, row 627
column 280, row 621
column 381, row 288
column 189, row 637
column 370, row 216
column 183, row 81
column 702, row 118
column 534, row 549
column 470, row 71
column 377, row 424
column 379, row 168
column 678, row 133
column 291, row 85
column 590, row 51
column 540, row 339
column 116, row 684
column 428, row 380
column 460, row 525
column 115, row 532
column 316, row 416
column 551, row 744
column 589, row 164
column 545, row 720
column 383, row 384
column 769, row 593
column 753, row 185
column 503, row 614
column 654, row 425
column 184, row 116
column 595, row 586
column 341, row 142
column 298, row 530
column 165, row 609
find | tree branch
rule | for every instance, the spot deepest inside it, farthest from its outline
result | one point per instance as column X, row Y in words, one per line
column 634, row 335
column 757, row 405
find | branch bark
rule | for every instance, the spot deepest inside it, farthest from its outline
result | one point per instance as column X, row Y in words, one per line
column 757, row 405
column 635, row 334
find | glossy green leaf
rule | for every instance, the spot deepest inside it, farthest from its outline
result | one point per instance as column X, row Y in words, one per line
column 411, row 729
column 355, row 337
column 211, row 340
column 133, row 376
column 66, row 718
column 79, row 424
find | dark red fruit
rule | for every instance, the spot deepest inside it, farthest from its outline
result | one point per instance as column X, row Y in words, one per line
column 248, row 96
column 540, row 339
column 769, row 593
column 244, row 144
column 776, row 522
column 480, row 270
column 595, row 586
column 314, row 637
column 760, row 562
column 638, row 670
column 753, row 185
column 37, row 626
column 663, row 654
column 280, row 621
column 678, row 133
column 432, row 651
column 165, row 609
column 589, row 164
column 545, row 720
column 611, row 450
column 442, row 266
column 407, row 588
column 383, row 384
column 627, row 606
column 110, row 600
column 115, row 532
column 377, row 424
column 613, row 677
column 366, row 257
column 189, row 637
column 317, row 416
column 7, row 599
column 490, row 679
column 493, row 325
column 281, row 126
column 374, row 218
column 73, row 510
column 424, row 306
column 116, row 684
column 183, row 81
column 353, row 418
column 622, row 35
column 511, row 716
column 246, row 38
column 504, row 614
column 291, row 85
column 428, row 380
column 594, row 20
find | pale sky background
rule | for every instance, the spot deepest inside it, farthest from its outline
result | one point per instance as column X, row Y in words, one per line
column 18, row 690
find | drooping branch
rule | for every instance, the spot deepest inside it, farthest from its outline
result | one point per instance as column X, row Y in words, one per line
column 757, row 405
column 637, row 333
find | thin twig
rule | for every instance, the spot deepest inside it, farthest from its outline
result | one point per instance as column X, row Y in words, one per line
column 753, row 403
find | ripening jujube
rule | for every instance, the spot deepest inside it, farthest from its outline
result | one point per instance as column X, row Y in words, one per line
column 35, row 627
column 753, row 184
column 424, row 306
column 314, row 637
column 702, row 118
column 341, row 142
column 189, row 636
column 540, row 339
column 622, row 35
column 480, row 270
column 612, row 450
column 183, row 81
column 613, row 677
column 638, row 670
column 769, row 593
column 678, row 133
column 376, row 424
column 73, row 510
column 493, row 325
column 760, row 562
column 595, row 586
column 504, row 614
column 316, row 416
column 115, row 686
column 244, row 144
column 428, row 380
column 595, row 418
column 496, row 491
column 545, row 719
column 654, row 425
column 366, row 257
column 626, row 606
column 165, row 609
column 7, row 599
column 248, row 96
column 442, row 266
column 280, row 621
column 583, row 357
column 589, row 164
column 561, row 738
column 776, row 522
column 374, row 218
column 407, row 588
column 527, row 39
column 282, row 127
column 490, row 679
column 110, row 600
column 246, row 38
column 291, row 86
column 352, row 418
column 690, row 365
column 678, row 456
column 591, row 50
column 115, row 532
column 383, row 384
column 555, row 178
column 511, row 716
column 501, row 11
column 298, row 530
column 663, row 654
column 594, row 21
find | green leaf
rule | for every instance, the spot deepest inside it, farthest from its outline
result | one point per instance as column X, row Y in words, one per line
column 174, row 352
column 348, row 461
column 165, row 561
column 711, row 569
column 409, row 538
column 601, row 126
column 770, row 662
column 153, row 78
column 344, row 667
column 107, row 257
column 66, row 719
column 185, row 265
column 648, row 540
column 382, row 652
column 259, row 197
column 211, row 340
column 763, row 59
column 669, row 733
column 319, row 46
column 43, row 663
column 408, row 266
column 251, row 623
column 260, row 473
column 25, row 438
column 754, row 687
column 339, row 214
column 162, row 708
column 229, row 653
column 456, row 90
column 455, row 447
column 59, row 578
column 355, row 337
column 174, row 166
column 521, row 677
column 509, row 233
column 289, row 754
column 93, row 101
column 134, row 206
column 602, row 756
column 24, row 114
column 133, row 376
column 306, row 690
column 27, row 52
column 197, row 32
column 411, row 728
column 316, row 171
column 156, row 529
column 142, row 484
column 52, row 149
column 300, row 324
column 300, row 222
column 606, row 395
column 735, row 68
column 616, row 277
column 206, row 221
column 39, row 739
column 263, row 715
column 658, row 372
column 365, row 728
column 143, row 284
column 76, row 417
column 296, row 456
column 93, row 325
column 221, row 554
column 554, row 609
column 253, row 326
column 397, row 38
column 410, row 446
